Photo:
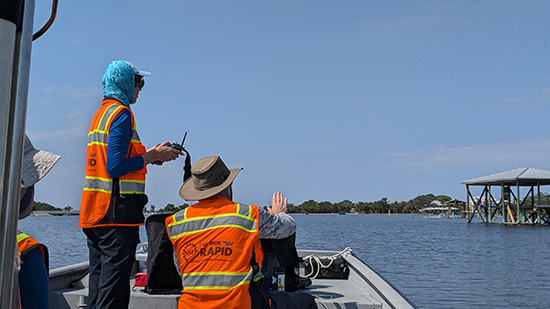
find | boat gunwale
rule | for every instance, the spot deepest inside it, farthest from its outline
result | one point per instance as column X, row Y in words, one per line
column 353, row 260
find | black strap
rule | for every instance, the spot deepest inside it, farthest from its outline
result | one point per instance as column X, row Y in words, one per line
column 115, row 197
column 187, row 166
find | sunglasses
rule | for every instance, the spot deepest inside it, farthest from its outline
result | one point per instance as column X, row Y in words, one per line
column 139, row 81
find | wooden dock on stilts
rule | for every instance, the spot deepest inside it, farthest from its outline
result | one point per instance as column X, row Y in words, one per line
column 520, row 202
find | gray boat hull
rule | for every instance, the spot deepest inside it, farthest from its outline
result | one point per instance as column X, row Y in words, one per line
column 363, row 289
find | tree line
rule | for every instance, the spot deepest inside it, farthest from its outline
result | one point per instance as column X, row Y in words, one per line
column 171, row 208
column 345, row 206
column 312, row 206
column 41, row 206
column 381, row 206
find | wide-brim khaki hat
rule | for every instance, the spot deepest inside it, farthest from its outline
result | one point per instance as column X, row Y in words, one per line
column 209, row 176
column 36, row 164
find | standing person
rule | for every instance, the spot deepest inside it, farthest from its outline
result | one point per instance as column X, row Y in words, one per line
column 217, row 243
column 33, row 276
column 113, row 197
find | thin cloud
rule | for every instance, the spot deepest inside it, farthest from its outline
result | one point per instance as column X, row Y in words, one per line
column 534, row 98
column 79, row 92
column 436, row 17
column 531, row 153
column 79, row 130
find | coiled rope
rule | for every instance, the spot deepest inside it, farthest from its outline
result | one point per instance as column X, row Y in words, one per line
column 317, row 258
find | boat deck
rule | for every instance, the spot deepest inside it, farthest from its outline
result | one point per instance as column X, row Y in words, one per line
column 363, row 289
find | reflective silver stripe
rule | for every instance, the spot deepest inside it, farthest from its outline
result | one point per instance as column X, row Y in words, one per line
column 100, row 135
column 131, row 186
column 105, row 118
column 107, row 115
column 97, row 184
column 180, row 215
column 215, row 281
column 105, row 185
column 202, row 223
column 97, row 137
column 135, row 137
column 243, row 209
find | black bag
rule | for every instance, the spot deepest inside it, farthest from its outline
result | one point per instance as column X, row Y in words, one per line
column 281, row 253
column 326, row 267
column 162, row 275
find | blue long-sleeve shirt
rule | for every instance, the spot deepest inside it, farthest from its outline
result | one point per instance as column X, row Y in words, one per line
column 118, row 163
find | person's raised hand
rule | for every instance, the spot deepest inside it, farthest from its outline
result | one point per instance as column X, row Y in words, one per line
column 278, row 203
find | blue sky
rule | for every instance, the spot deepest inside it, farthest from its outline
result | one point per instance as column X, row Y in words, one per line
column 323, row 100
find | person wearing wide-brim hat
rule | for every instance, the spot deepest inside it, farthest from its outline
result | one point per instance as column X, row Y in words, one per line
column 209, row 176
column 33, row 274
column 36, row 164
column 217, row 240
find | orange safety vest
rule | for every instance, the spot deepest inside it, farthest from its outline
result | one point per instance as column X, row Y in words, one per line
column 214, row 240
column 25, row 243
column 98, row 186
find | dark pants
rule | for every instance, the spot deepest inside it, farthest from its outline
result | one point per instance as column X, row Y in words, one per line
column 112, row 254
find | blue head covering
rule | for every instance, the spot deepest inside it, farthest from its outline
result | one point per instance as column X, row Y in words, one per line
column 119, row 81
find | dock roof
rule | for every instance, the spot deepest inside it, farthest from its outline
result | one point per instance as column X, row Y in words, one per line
column 525, row 176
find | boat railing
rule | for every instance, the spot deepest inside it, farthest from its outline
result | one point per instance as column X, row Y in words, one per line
column 63, row 278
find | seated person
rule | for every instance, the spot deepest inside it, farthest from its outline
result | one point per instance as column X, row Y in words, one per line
column 217, row 243
column 33, row 275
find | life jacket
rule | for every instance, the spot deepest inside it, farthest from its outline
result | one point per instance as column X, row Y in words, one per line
column 215, row 241
column 107, row 201
column 25, row 243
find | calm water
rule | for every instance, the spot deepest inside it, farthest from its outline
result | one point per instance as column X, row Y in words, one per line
column 435, row 263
